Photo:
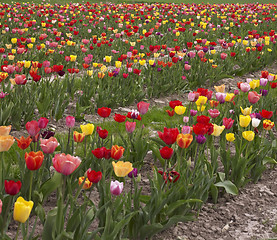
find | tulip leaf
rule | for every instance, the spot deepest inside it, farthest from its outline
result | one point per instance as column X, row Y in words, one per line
column 50, row 225
column 214, row 192
column 173, row 206
column 269, row 160
column 51, row 185
column 40, row 212
column 228, row 186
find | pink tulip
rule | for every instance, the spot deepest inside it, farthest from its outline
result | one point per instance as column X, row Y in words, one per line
column 186, row 130
column 85, row 41
column 42, row 122
column 201, row 54
column 32, row 128
column 130, row 126
column 1, row 206
column 143, row 107
column 116, row 187
column 46, row 64
column 223, row 56
column 70, row 121
column 65, row 164
column 187, row 67
column 214, row 113
column 245, row 87
column 20, row 79
column 9, row 69
column 49, row 145
column 254, row 97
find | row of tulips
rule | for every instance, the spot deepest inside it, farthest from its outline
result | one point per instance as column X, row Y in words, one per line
column 127, row 52
column 217, row 143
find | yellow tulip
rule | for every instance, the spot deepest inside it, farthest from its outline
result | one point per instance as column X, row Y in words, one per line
column 229, row 97
column 87, row 129
column 22, row 210
column 118, row 64
column 142, row 62
column 218, row 130
column 201, row 108
column 201, row 100
column 180, row 110
column 14, row 40
column 95, row 64
column 254, row 84
column 220, row 88
column 73, row 58
column 151, row 62
column 27, row 64
column 121, row 169
column 30, row 45
column 213, row 51
column 108, row 58
column 6, row 142
column 90, row 72
column 246, row 111
column 5, row 130
column 248, row 135
column 230, row 137
column 244, row 120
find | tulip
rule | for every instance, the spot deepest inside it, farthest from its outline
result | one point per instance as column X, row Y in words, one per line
column 253, row 97
column 230, row 137
column 119, row 118
column 70, row 121
column 5, row 130
column 244, row 87
column 166, row 152
column 201, row 100
column 94, row 176
column 34, row 160
column 5, row 143
column 22, row 210
column 12, row 188
column 116, row 187
column 104, row 112
column 180, row 110
column 87, row 129
column 87, row 184
column 218, row 130
column 193, row 112
column 192, row 97
column 32, row 128
column 184, row 140
column 121, row 169
column 267, row 124
column 99, row 152
column 263, row 81
column 175, row 103
column 23, row 143
column 185, row 119
column 214, row 113
column 133, row 173
column 201, row 139
column 248, row 135
column 78, row 137
column 246, row 111
column 1, row 206
column 65, row 164
column 186, row 130
column 266, row 114
column 143, row 107
column 49, row 145
column 42, row 122
column 229, row 97
column 103, row 133
column 220, row 97
column 130, row 126
column 244, row 120
column 220, row 88
column 169, row 135
column 117, row 152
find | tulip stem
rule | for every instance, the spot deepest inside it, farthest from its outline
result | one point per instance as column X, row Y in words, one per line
column 17, row 232
column 1, row 172
column 31, row 185
column 85, row 151
column 68, row 140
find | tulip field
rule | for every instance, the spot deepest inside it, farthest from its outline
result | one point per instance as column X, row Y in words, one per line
column 124, row 176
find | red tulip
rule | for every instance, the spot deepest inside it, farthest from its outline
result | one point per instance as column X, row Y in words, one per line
column 175, row 103
column 94, row 176
column 254, row 97
column 228, row 122
column 12, row 187
column 32, row 128
column 119, row 118
column 266, row 114
column 99, row 152
column 103, row 133
column 203, row 119
column 200, row 129
column 23, row 143
column 166, row 152
column 169, row 135
column 143, row 107
column 170, row 113
column 104, row 112
column 42, row 122
column 34, row 160
column 117, row 152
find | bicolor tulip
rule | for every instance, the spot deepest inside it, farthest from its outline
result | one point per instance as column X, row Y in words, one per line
column 184, row 140
column 116, row 187
column 34, row 160
column 117, row 152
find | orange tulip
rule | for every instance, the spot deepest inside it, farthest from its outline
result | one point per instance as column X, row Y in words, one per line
column 34, row 160
column 184, row 140
column 23, row 142
column 117, row 152
column 5, row 130
column 5, row 143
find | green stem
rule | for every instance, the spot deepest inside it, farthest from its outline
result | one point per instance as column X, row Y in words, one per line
column 31, row 185
column 85, row 150
column 1, row 173
column 68, row 140
column 17, row 232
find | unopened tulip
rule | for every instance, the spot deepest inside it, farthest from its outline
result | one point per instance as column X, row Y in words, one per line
column 22, row 210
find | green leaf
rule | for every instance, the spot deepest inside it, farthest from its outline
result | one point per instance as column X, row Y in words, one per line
column 171, row 208
column 228, row 186
column 50, row 225
column 270, row 160
column 51, row 185
column 40, row 212
column 214, row 192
